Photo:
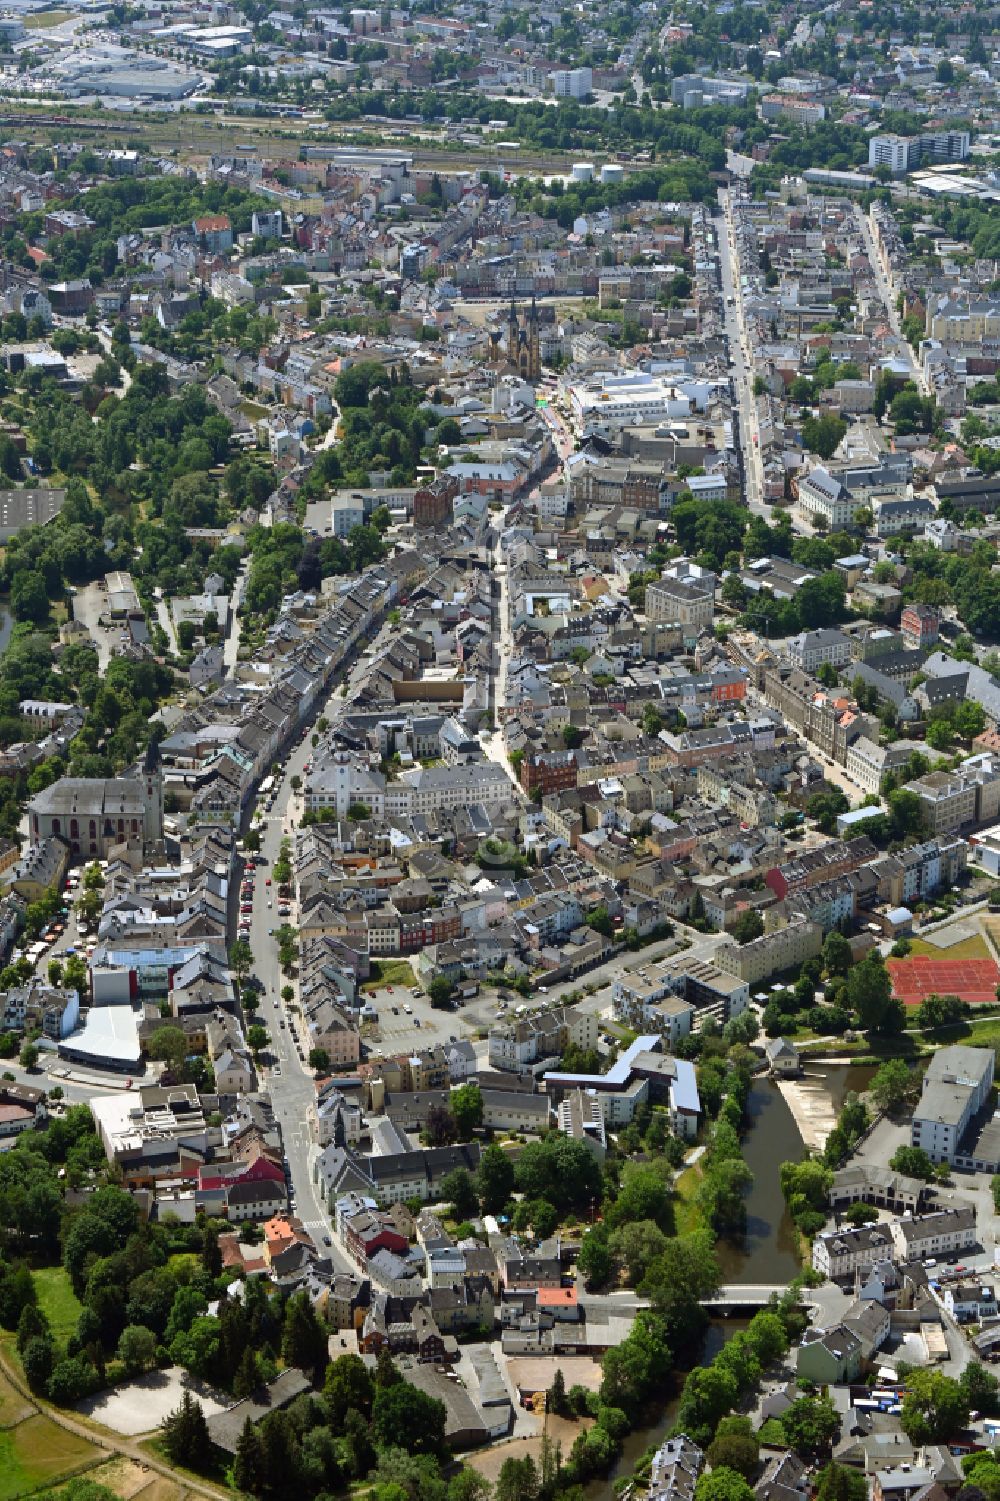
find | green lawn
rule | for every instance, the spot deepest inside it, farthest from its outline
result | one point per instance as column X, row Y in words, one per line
column 389, row 972
column 37, row 1452
column 968, row 948
column 57, row 1300
column 43, row 19
column 687, row 1214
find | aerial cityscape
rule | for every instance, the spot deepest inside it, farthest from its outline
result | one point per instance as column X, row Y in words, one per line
column 499, row 751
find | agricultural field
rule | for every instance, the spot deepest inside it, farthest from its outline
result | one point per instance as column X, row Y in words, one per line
column 36, row 1452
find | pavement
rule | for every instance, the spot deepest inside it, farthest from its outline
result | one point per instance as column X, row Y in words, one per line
column 741, row 369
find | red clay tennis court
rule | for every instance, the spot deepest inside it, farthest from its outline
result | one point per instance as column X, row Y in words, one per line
column 973, row 980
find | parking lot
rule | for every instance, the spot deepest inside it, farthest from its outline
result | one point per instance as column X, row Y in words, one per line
column 90, row 603
column 396, row 1031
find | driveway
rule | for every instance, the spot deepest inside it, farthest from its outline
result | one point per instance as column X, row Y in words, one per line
column 883, row 1142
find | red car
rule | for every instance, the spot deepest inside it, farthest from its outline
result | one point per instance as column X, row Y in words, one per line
column 389, row 989
column 268, row 881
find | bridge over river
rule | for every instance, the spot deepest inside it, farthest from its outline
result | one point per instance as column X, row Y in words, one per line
column 734, row 1297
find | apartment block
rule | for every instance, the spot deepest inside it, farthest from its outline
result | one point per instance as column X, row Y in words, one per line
column 777, row 950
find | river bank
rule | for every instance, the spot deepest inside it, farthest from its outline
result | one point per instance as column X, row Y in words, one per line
column 816, row 1097
column 811, row 1107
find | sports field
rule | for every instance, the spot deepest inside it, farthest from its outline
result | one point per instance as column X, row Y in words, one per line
column 972, row 980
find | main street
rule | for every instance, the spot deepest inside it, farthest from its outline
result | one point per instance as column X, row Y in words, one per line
column 285, row 1075
column 493, row 743
column 741, row 371
column 885, row 292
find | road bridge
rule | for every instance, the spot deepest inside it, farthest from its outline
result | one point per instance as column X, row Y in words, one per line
column 736, row 1296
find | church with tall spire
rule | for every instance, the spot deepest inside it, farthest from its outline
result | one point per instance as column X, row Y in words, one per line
column 520, row 353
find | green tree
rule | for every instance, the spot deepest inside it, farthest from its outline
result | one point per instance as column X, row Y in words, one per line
column 303, row 1341
column 810, row 1425
column 678, row 1280
column 169, row 1045
column 563, row 1171
column 257, row 1038
column 185, row 1434
column 594, row 1263
column 494, row 1179
column 637, row 1245
column 72, row 1379
column 555, row 1397
column 38, row 1360
column 941, row 1011
column 735, row 1447
column 249, row 1474
column 466, row 1106
column 981, row 1387
column 869, row 993
column 440, row 991
column 893, row 1084
column 806, row 1188
column 710, row 1392
column 347, row 1387
column 823, row 435
column 137, row 1349
column 240, row 959
column 914, row 1162
column 644, row 1195
column 935, row 1407
column 637, row 1367
column 459, row 1190
column 722, row 1484
column 404, row 1409
column 29, row 596
column 518, row 1480
column 840, row 1483
column 748, row 926
column 837, row 956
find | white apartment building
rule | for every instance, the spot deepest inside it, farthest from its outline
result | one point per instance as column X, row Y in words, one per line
column 840, row 1253
column 572, row 83
column 643, row 1002
column 867, row 763
column 821, row 494
column 810, row 649
column 956, row 1086
column 890, row 151
column 933, row 1235
column 515, row 1044
column 904, row 153
column 679, row 602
